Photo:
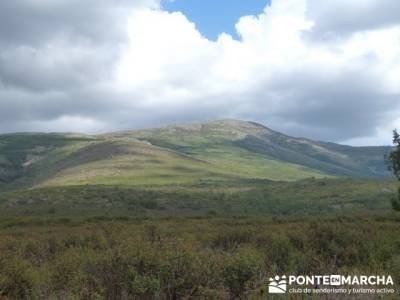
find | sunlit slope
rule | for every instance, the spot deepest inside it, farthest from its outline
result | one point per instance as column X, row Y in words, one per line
column 227, row 141
column 57, row 160
column 226, row 151
column 131, row 162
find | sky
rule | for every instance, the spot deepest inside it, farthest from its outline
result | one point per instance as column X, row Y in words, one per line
column 321, row 69
column 215, row 17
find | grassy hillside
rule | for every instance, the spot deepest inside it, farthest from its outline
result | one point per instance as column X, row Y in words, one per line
column 219, row 153
column 131, row 162
column 26, row 158
column 202, row 140
column 60, row 159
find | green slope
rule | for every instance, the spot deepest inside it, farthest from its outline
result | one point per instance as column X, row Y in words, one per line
column 28, row 158
column 226, row 151
column 124, row 161
column 207, row 140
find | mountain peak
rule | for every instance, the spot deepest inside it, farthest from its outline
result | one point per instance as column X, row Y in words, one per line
column 235, row 123
column 230, row 127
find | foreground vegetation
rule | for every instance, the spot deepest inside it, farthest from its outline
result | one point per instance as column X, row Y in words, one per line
column 188, row 212
column 212, row 240
column 244, row 198
column 186, row 258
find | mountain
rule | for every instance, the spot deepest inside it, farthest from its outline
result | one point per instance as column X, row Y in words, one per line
column 181, row 154
column 207, row 140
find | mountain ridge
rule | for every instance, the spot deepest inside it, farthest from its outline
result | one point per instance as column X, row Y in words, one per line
column 264, row 140
column 183, row 153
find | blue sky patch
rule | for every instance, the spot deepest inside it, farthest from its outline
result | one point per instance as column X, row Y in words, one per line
column 215, row 16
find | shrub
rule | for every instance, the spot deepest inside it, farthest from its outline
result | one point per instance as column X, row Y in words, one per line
column 18, row 279
column 278, row 252
column 240, row 269
column 230, row 239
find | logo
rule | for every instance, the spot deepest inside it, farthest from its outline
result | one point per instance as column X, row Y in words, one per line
column 333, row 284
column 335, row 280
column 277, row 285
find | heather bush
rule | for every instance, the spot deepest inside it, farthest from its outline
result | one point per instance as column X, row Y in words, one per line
column 182, row 258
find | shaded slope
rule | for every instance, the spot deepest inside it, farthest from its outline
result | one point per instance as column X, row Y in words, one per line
column 24, row 157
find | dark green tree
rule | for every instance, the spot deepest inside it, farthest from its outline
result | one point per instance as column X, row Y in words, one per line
column 394, row 166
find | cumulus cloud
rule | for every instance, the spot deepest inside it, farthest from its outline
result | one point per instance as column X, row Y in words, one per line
column 321, row 69
column 341, row 17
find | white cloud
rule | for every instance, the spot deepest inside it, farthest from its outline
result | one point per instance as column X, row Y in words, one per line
column 343, row 17
column 275, row 74
column 322, row 69
column 73, row 123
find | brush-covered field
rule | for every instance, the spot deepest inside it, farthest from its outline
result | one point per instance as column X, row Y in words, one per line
column 187, row 258
column 193, row 242
column 209, row 198
column 193, row 211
